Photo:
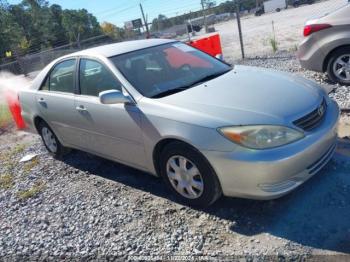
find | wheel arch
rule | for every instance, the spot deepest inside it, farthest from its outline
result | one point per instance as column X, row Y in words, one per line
column 160, row 145
column 37, row 120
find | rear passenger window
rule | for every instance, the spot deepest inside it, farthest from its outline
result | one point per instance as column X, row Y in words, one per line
column 61, row 78
column 94, row 78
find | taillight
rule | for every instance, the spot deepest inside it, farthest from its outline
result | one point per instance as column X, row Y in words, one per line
column 310, row 29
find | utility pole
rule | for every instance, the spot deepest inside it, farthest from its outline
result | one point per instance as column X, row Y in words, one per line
column 145, row 21
column 239, row 28
column 204, row 15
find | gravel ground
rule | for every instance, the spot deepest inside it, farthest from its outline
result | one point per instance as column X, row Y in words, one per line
column 87, row 207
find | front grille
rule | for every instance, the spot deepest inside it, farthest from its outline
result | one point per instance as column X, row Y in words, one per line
column 313, row 119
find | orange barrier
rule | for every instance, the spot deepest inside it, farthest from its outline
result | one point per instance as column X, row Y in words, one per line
column 211, row 45
column 15, row 108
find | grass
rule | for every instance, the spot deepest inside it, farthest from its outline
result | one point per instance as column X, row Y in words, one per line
column 5, row 116
column 32, row 192
column 272, row 40
column 6, row 156
column 9, row 164
column 274, row 44
column 294, row 48
column 30, row 165
column 6, row 181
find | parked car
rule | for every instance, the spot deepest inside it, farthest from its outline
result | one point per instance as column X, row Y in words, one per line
column 326, row 46
column 259, row 11
column 297, row 3
column 270, row 6
column 274, row 5
column 196, row 28
column 166, row 108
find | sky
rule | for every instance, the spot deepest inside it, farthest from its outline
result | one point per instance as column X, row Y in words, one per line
column 120, row 11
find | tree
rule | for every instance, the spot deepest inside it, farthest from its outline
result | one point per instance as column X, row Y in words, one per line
column 79, row 24
column 10, row 31
column 161, row 23
column 112, row 31
column 34, row 25
column 208, row 4
column 60, row 36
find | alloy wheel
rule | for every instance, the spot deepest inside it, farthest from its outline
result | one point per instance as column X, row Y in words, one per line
column 341, row 67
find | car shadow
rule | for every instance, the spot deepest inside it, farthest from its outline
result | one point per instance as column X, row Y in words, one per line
column 317, row 214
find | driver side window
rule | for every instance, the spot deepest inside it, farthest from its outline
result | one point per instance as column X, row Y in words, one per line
column 61, row 78
column 94, row 78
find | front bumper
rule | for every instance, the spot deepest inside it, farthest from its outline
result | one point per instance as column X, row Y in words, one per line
column 268, row 174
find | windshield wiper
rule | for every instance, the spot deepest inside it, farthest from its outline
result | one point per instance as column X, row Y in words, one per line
column 170, row 92
column 197, row 82
column 208, row 77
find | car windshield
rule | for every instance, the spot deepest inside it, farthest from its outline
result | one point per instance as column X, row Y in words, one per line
column 166, row 69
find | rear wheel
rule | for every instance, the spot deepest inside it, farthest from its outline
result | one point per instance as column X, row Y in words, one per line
column 51, row 142
column 189, row 175
column 338, row 68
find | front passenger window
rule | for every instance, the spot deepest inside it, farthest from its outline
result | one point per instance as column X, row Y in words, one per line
column 94, row 78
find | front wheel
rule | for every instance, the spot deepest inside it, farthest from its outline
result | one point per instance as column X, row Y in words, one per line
column 189, row 175
column 338, row 68
column 51, row 142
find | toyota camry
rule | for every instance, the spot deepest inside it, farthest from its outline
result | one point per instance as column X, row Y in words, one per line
column 206, row 127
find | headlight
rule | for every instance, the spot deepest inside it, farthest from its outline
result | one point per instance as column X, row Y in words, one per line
column 261, row 136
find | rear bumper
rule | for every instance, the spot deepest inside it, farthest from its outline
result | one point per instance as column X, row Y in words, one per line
column 30, row 126
column 310, row 55
column 268, row 174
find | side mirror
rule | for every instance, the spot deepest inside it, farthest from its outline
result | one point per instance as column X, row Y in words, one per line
column 113, row 97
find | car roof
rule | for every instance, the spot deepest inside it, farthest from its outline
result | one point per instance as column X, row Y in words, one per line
column 121, row 48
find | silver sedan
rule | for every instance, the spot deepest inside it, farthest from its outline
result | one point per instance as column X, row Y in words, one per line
column 205, row 127
column 326, row 46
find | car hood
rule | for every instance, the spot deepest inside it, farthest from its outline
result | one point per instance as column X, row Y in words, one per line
column 245, row 95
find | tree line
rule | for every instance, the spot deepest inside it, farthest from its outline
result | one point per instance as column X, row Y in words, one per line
column 34, row 25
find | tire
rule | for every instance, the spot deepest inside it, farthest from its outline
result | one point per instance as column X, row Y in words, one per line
column 334, row 66
column 51, row 142
column 211, row 189
column 278, row 10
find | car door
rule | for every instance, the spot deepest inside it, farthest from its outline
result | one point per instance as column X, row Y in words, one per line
column 112, row 131
column 55, row 99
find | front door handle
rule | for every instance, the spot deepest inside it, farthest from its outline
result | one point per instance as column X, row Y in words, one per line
column 81, row 109
column 41, row 100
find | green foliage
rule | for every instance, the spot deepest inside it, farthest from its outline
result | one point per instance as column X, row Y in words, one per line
column 274, row 44
column 31, row 192
column 112, row 31
column 30, row 165
column 6, row 181
column 33, row 25
column 5, row 115
column 79, row 24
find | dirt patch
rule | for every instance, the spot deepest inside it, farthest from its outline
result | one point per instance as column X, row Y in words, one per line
column 344, row 126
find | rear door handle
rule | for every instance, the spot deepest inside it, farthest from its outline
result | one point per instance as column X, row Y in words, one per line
column 41, row 100
column 81, row 108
